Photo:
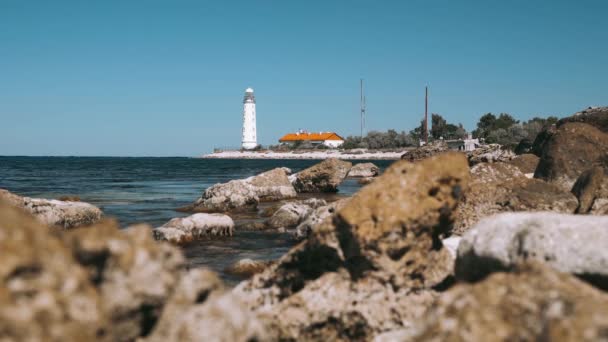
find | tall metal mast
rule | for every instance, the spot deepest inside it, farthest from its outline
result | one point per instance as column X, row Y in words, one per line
column 426, row 118
column 362, row 110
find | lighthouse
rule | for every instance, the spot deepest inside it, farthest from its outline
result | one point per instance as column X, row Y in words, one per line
column 250, row 140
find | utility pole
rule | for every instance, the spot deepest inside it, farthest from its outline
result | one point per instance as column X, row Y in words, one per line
column 426, row 118
column 362, row 110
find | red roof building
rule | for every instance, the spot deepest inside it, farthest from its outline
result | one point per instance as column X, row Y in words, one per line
column 330, row 139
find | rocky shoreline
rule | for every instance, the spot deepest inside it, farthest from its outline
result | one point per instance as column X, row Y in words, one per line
column 316, row 155
column 442, row 245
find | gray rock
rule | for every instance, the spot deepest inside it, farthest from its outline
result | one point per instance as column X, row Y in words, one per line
column 569, row 243
column 248, row 267
column 322, row 177
column 315, row 217
column 490, row 154
column 364, row 170
column 272, row 185
column 195, row 227
column 65, row 214
column 292, row 213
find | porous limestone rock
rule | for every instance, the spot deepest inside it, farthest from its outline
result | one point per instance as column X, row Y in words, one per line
column 489, row 154
column 526, row 163
column 322, row 177
column 291, row 214
column 44, row 294
column 133, row 273
column 199, row 226
column 201, row 310
column 574, row 148
column 373, row 266
column 569, row 243
column 591, row 186
column 248, row 267
column 271, row 185
column 65, row 214
column 315, row 217
column 501, row 187
column 364, row 170
column 534, row 303
column 594, row 116
column 426, row 151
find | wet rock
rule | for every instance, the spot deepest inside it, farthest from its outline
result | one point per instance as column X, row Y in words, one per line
column 133, row 273
column 251, row 225
column 594, row 116
column 65, row 214
column 364, row 170
column 372, row 267
column 573, row 149
column 248, row 267
column 316, row 216
column 526, row 163
column 568, row 243
column 489, row 154
column 271, row 185
column 322, row 177
column 365, row 180
column 201, row 310
column 292, row 213
column 500, row 187
column 590, row 186
column 44, row 294
column 534, row 303
column 426, row 151
column 195, row 227
column 69, row 198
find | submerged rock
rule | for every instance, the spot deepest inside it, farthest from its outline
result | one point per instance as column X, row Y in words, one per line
column 489, row 154
column 195, row 227
column 44, row 294
column 322, row 177
column 534, row 303
column 365, row 180
column 65, row 214
column 291, row 214
column 573, row 149
column 372, row 267
column 568, row 243
column 248, row 267
column 271, row 185
column 364, row 170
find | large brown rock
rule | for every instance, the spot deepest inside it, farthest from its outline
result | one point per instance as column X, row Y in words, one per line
column 44, row 294
column 241, row 194
column 55, row 213
column 426, row 151
column 526, row 163
column 573, row 149
column 591, row 186
column 501, row 187
column 535, row 303
column 382, row 251
column 134, row 274
column 322, row 177
column 594, row 116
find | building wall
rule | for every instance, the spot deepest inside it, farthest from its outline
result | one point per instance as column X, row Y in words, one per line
column 333, row 143
column 249, row 126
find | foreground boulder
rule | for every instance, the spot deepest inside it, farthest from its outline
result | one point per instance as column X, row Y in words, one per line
column 534, row 303
column 64, row 214
column 195, row 227
column 426, row 151
column 364, row 170
column 573, row 149
column 44, row 294
column 591, row 189
column 322, row 177
column 372, row 267
column 489, row 154
column 501, row 187
column 291, row 214
column 569, row 243
column 133, row 274
column 271, row 185
column 201, row 310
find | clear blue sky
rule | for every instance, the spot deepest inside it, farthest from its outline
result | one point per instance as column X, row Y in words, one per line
column 166, row 78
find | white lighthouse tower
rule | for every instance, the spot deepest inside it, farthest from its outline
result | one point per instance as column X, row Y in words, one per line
column 250, row 140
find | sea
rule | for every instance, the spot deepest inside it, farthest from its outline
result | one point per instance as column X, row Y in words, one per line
column 149, row 190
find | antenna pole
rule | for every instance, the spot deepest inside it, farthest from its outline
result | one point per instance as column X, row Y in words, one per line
column 426, row 118
column 361, row 105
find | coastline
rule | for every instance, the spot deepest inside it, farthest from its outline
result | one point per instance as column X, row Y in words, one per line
column 304, row 155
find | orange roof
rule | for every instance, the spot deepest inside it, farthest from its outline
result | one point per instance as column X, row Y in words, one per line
column 322, row 136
